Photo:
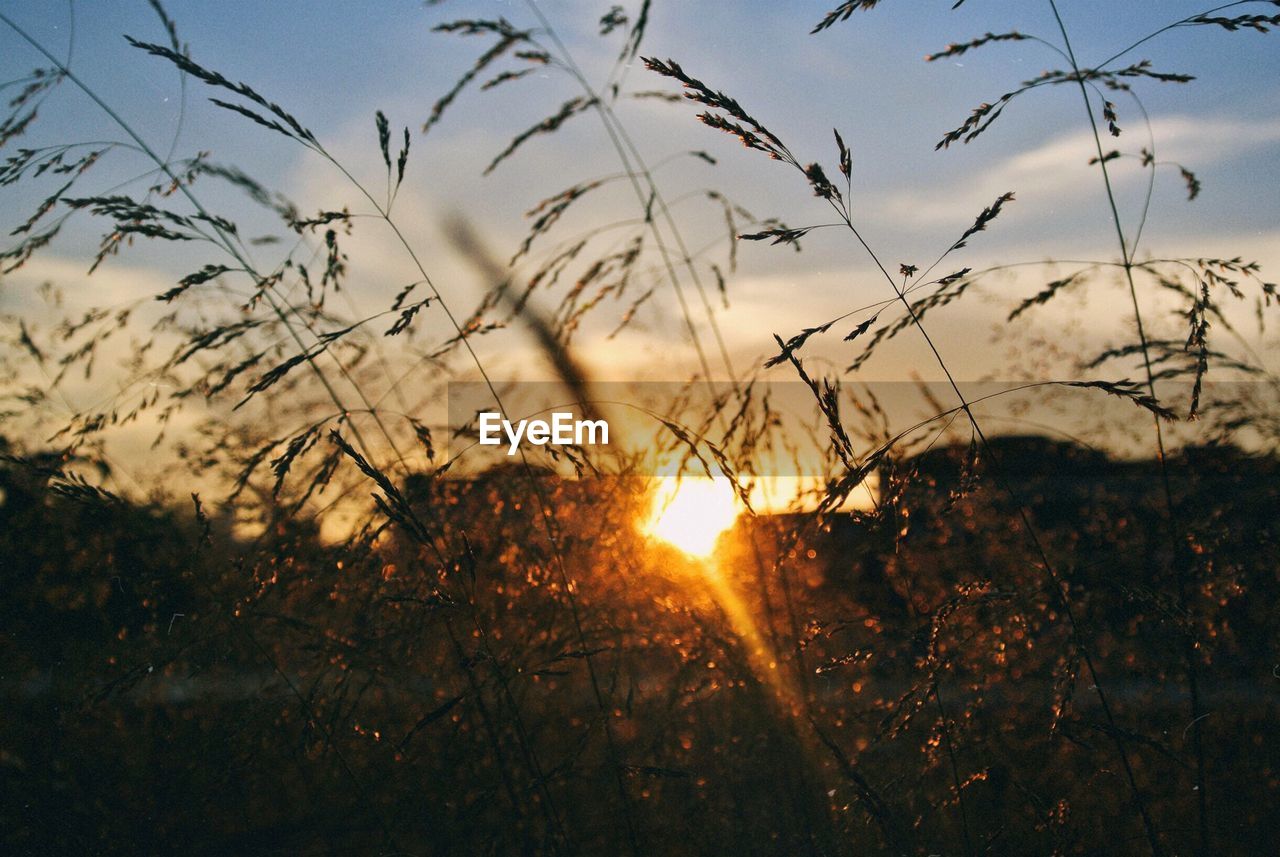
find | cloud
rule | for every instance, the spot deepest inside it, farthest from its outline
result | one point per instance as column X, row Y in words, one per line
column 114, row 284
column 1058, row 171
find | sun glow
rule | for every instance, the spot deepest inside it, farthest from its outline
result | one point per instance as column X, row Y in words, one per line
column 692, row 512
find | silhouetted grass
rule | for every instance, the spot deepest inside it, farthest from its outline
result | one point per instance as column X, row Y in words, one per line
column 349, row 642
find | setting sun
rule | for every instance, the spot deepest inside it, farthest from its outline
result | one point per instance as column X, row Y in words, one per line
column 692, row 512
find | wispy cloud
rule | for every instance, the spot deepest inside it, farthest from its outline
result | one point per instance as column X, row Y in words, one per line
column 1058, row 171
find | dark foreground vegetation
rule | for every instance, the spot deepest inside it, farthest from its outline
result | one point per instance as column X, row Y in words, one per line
column 168, row 687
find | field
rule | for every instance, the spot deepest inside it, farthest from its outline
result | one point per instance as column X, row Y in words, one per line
column 640, row 430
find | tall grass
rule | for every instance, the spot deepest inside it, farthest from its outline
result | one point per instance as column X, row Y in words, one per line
column 357, row 647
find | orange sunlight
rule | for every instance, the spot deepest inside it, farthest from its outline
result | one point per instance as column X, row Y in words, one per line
column 691, row 512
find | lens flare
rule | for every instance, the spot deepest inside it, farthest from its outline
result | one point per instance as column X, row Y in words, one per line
column 692, row 512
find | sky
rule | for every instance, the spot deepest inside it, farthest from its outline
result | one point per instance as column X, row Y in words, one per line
column 333, row 64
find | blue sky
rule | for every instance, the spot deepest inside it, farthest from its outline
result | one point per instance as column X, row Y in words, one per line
column 332, row 64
